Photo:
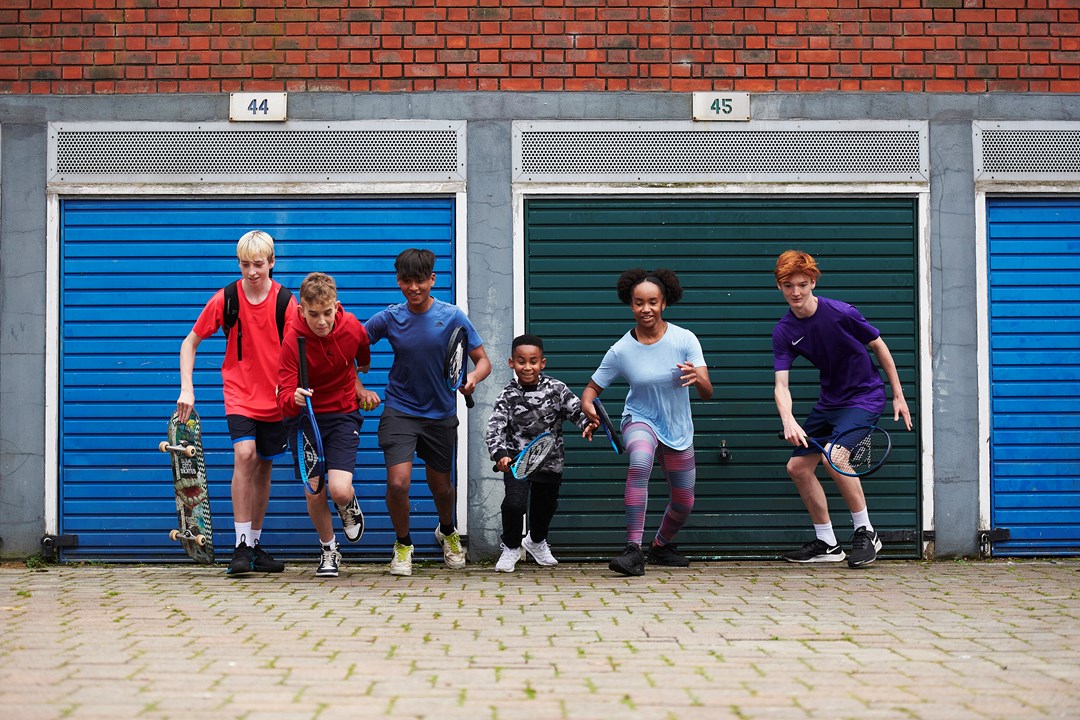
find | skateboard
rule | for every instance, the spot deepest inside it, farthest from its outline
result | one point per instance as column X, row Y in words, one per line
column 184, row 445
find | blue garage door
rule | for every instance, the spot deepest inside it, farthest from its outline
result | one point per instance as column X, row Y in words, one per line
column 135, row 275
column 1034, row 266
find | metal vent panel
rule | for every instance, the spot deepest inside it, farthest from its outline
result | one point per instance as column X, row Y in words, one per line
column 1027, row 151
column 682, row 152
column 298, row 152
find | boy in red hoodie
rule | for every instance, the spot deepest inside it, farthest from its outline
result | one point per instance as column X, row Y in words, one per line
column 337, row 347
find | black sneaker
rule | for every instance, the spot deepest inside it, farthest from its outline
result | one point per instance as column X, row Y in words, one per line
column 666, row 555
column 629, row 562
column 329, row 561
column 817, row 551
column 352, row 520
column 262, row 562
column 241, row 562
column 864, row 548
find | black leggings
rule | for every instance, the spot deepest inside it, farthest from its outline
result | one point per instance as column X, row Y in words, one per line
column 541, row 498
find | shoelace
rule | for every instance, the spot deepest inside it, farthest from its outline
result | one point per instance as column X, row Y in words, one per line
column 454, row 543
column 860, row 540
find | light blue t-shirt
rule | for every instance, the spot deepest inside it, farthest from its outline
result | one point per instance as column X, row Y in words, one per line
column 416, row 384
column 656, row 397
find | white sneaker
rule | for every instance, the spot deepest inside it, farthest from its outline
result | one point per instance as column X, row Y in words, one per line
column 352, row 520
column 452, row 552
column 329, row 562
column 541, row 551
column 401, row 562
column 509, row 559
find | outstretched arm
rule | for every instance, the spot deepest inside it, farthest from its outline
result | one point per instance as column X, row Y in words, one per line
column 793, row 431
column 186, row 402
column 885, row 360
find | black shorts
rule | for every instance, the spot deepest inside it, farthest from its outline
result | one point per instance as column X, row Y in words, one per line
column 340, row 438
column 401, row 436
column 270, row 436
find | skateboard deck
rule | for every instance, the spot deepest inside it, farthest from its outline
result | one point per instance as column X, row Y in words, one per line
column 194, row 529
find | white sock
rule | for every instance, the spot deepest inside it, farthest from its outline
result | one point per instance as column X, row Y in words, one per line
column 255, row 537
column 330, row 544
column 243, row 533
column 862, row 519
column 825, row 534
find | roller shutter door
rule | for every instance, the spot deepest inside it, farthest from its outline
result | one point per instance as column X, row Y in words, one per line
column 1034, row 283
column 135, row 275
column 724, row 250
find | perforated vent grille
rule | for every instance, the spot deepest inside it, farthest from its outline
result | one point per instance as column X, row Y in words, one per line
column 177, row 155
column 1031, row 151
column 713, row 155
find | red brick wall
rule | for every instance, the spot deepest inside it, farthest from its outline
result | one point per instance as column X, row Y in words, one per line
column 209, row 46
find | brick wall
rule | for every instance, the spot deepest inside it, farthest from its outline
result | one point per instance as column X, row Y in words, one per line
column 208, row 46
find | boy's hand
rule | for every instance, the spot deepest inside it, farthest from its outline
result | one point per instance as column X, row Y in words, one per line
column 503, row 465
column 299, row 395
column 184, row 405
column 369, row 399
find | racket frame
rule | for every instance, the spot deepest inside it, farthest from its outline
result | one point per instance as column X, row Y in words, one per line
column 607, row 426
column 459, row 337
column 302, row 440
column 831, row 443
column 517, row 467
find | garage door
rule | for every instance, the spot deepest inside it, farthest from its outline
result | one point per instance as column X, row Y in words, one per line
column 1034, row 282
column 135, row 275
column 724, row 250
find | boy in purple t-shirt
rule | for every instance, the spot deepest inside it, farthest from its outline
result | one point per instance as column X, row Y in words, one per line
column 834, row 337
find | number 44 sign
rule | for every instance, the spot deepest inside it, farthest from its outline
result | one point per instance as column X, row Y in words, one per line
column 722, row 106
column 258, row 107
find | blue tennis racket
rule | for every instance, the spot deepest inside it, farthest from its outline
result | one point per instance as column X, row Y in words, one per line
column 856, row 452
column 456, row 365
column 310, row 456
column 532, row 457
column 606, row 424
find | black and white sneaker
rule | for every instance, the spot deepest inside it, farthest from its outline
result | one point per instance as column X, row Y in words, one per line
column 817, row 551
column 241, row 562
column 352, row 520
column 864, row 548
column 329, row 562
column 629, row 562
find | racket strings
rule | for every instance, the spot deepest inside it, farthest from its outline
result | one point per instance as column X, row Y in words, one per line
column 854, row 457
column 453, row 369
column 535, row 456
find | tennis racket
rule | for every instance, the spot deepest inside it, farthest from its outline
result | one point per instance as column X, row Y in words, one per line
column 455, row 363
column 608, row 427
column 857, row 452
column 532, row 457
column 310, row 457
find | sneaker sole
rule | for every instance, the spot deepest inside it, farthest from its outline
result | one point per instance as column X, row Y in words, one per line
column 270, row 570
column 864, row 563
column 400, row 573
column 820, row 559
column 326, row 574
column 626, row 571
column 538, row 561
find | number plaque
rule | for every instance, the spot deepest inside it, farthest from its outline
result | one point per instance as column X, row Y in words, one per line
column 722, row 106
column 258, row 107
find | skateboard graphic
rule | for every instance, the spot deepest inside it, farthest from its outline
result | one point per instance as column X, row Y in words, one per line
column 184, row 445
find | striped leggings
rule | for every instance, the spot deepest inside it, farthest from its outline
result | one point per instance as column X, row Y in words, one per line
column 680, row 470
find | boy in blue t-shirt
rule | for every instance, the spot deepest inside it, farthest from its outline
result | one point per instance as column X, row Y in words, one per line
column 419, row 412
column 834, row 337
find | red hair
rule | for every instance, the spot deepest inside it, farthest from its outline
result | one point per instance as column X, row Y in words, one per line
column 795, row 262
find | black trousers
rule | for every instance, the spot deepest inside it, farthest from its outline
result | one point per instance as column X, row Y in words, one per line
column 541, row 499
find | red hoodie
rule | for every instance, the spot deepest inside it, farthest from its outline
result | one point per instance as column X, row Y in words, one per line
column 332, row 364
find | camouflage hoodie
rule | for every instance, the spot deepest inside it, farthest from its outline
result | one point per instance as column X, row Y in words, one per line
column 520, row 414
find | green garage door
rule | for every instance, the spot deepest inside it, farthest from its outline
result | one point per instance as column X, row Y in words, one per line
column 723, row 250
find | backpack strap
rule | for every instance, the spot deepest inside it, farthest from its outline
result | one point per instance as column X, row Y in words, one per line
column 283, row 297
column 231, row 316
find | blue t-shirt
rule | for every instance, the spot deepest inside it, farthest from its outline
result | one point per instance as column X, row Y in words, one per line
column 416, row 384
column 834, row 340
column 656, row 395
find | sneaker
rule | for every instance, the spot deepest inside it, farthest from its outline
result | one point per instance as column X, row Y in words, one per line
column 816, row 552
column 509, row 559
column 864, row 548
column 666, row 555
column 540, row 551
column 262, row 562
column 452, row 552
column 329, row 562
column 352, row 520
column 241, row 562
column 629, row 562
column 401, row 562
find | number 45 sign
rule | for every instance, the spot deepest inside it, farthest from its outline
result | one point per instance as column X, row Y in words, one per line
column 722, row 106
column 258, row 107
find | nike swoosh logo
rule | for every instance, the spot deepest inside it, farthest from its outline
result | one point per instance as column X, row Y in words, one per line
column 796, row 342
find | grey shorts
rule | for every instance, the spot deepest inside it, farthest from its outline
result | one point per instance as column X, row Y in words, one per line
column 402, row 436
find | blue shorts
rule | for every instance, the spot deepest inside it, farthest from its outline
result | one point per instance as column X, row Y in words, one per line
column 340, row 438
column 821, row 424
column 269, row 436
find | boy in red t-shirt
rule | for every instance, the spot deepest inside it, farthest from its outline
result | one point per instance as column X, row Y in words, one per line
column 337, row 347
column 254, row 419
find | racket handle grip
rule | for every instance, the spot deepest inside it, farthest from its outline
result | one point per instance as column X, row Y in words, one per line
column 469, row 402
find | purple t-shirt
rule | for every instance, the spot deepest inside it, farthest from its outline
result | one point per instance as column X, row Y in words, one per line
column 834, row 340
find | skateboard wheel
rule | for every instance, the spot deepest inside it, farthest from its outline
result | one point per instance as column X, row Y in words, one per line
column 174, row 534
column 200, row 540
column 163, row 446
column 189, row 451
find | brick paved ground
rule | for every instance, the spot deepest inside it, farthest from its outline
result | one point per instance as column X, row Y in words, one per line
column 720, row 640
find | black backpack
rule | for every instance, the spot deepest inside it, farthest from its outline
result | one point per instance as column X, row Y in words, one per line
column 232, row 315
